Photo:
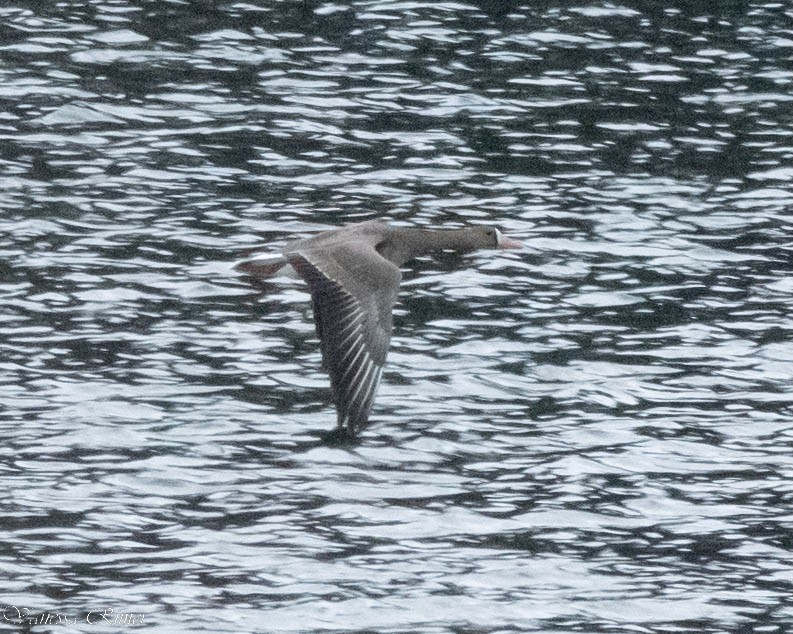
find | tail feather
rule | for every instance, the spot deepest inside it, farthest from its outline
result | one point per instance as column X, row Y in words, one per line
column 262, row 266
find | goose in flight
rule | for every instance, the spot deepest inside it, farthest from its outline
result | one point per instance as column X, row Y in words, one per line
column 353, row 277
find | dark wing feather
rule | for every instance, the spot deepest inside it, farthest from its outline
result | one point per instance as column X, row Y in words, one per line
column 353, row 290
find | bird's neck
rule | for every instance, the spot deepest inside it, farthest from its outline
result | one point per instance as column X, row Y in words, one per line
column 413, row 243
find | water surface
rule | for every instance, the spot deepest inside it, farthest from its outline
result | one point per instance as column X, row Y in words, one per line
column 591, row 435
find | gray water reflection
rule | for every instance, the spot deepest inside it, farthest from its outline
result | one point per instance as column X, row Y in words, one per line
column 592, row 435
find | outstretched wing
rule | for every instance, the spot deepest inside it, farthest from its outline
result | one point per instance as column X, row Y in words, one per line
column 353, row 290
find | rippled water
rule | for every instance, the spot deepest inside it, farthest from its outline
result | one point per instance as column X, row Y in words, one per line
column 592, row 435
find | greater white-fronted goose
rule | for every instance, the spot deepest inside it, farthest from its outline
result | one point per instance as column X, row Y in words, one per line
column 353, row 277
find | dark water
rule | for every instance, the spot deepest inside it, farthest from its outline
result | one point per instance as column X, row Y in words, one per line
column 592, row 435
